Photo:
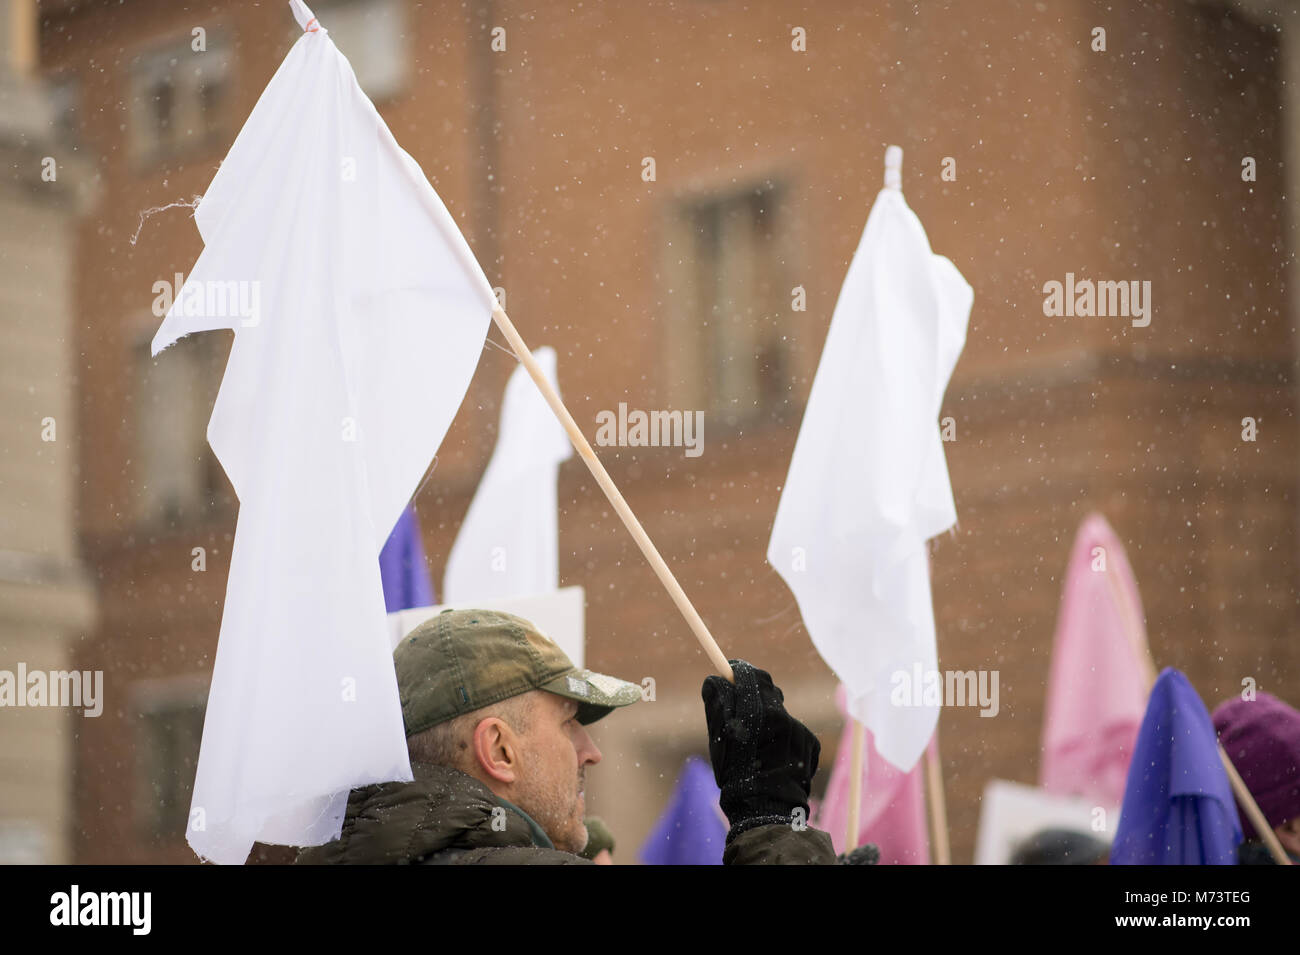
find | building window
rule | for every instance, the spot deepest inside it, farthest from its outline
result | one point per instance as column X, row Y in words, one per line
column 179, row 97
column 178, row 479
column 732, row 304
column 372, row 34
column 65, row 101
column 170, row 730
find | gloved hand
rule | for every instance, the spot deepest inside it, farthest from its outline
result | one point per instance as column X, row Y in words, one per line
column 763, row 758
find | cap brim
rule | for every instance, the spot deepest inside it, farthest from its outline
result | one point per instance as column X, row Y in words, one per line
column 597, row 695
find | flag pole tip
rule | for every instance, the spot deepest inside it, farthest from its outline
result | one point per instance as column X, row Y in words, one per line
column 894, row 167
column 306, row 19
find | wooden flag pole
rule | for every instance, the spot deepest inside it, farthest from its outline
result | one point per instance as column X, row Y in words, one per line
column 443, row 221
column 1253, row 812
column 602, row 477
column 1143, row 653
column 936, row 802
column 855, row 786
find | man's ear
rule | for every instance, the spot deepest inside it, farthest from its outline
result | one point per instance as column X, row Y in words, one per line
column 496, row 749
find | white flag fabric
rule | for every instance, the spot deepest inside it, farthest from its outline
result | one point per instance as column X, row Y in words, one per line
column 509, row 543
column 359, row 314
column 868, row 483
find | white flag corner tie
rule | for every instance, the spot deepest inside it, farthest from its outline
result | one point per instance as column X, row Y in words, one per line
column 306, row 19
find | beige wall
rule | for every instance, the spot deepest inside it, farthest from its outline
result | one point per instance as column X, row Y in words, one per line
column 46, row 602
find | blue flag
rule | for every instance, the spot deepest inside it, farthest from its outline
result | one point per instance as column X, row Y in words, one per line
column 692, row 830
column 1178, row 804
column 402, row 566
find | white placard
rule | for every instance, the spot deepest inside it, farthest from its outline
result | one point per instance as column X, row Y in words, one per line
column 1012, row 812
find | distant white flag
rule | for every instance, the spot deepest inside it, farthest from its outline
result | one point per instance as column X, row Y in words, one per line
column 509, row 543
column 868, row 483
column 359, row 315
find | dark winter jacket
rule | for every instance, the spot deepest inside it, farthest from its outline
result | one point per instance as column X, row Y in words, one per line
column 445, row 817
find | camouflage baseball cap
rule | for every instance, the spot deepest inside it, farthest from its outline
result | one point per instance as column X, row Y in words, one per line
column 460, row 660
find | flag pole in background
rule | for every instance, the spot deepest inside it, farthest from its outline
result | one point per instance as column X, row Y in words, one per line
column 1239, row 789
column 937, row 804
column 890, row 801
column 1253, row 812
column 855, row 787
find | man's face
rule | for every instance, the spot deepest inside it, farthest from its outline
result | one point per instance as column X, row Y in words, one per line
column 557, row 751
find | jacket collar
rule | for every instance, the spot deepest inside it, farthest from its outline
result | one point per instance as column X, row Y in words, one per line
column 540, row 838
column 440, row 809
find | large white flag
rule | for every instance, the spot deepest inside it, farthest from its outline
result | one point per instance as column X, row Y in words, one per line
column 508, row 545
column 868, row 483
column 359, row 314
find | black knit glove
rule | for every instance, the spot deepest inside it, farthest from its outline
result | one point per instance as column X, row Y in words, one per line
column 763, row 758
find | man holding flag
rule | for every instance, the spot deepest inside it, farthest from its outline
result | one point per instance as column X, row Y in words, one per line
column 336, row 396
column 496, row 723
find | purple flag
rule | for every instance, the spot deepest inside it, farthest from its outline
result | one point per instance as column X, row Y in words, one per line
column 692, row 830
column 1178, row 804
column 402, row 566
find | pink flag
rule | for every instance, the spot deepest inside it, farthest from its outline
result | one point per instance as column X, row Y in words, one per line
column 1097, row 694
column 893, row 802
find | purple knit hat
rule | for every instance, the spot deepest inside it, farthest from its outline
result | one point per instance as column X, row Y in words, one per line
column 1262, row 738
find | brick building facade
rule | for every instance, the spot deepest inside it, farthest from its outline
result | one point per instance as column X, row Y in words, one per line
column 1122, row 164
